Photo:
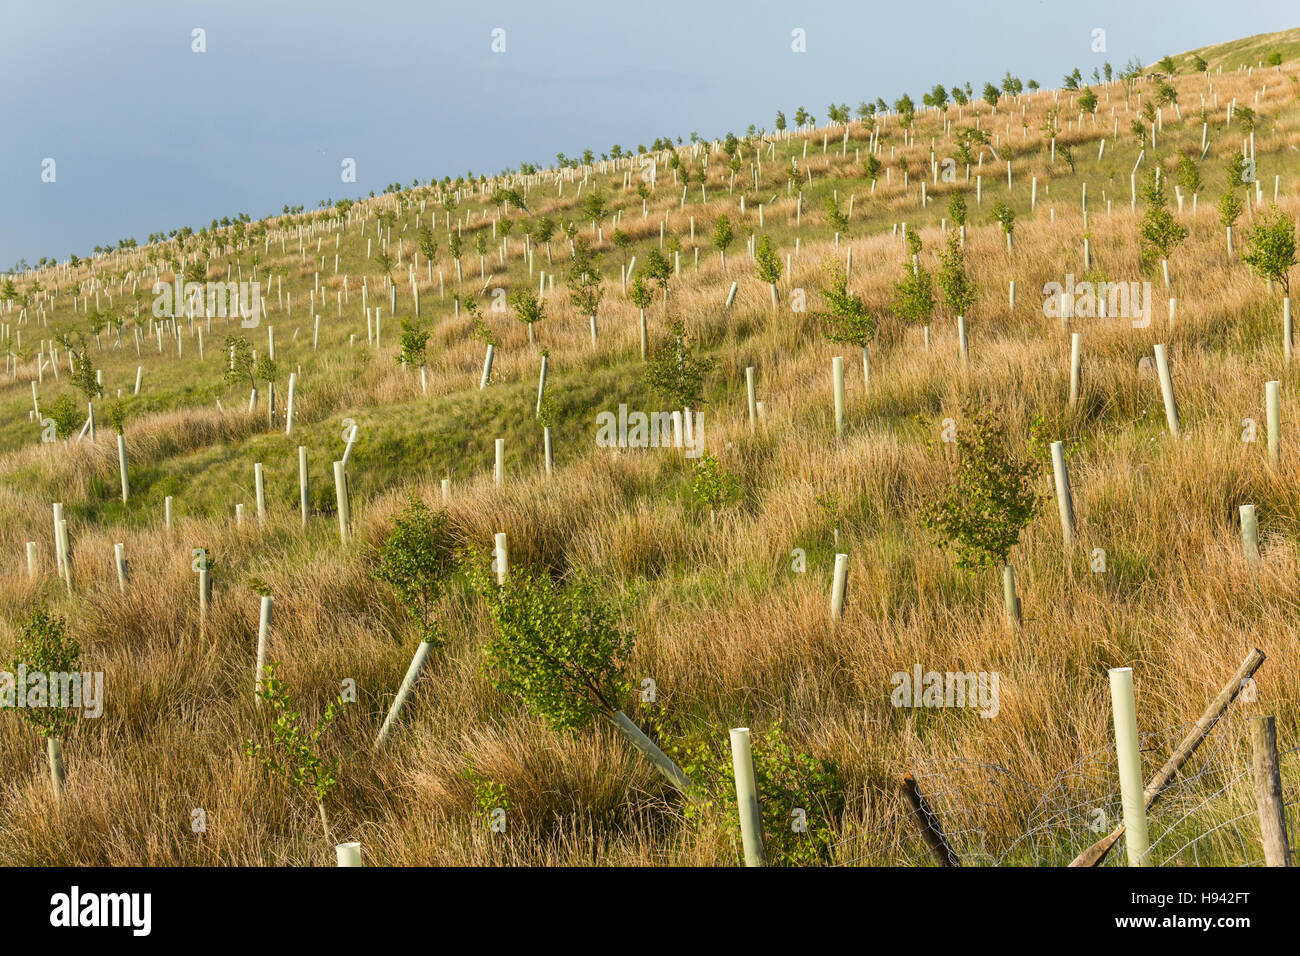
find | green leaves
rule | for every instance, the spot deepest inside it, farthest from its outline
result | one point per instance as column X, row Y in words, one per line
column 44, row 646
column 769, row 263
column 65, row 414
column 846, row 321
column 293, row 750
column 723, row 234
column 990, row 498
column 558, row 647
column 958, row 289
column 1270, row 249
column 914, row 293
column 1161, row 233
column 1229, row 208
column 1004, row 216
column 413, row 341
column 239, row 364
column 677, row 372
column 528, row 307
column 584, row 279
column 788, row 781
column 713, row 487
column 415, row 560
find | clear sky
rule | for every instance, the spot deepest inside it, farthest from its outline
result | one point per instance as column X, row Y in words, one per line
column 148, row 135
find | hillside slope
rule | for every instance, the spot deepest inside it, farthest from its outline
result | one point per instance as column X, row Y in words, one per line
column 728, row 600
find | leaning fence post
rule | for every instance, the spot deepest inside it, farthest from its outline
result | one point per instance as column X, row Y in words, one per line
column 1268, row 791
column 408, row 682
column 1129, row 758
column 1167, row 389
column 119, row 561
column 263, row 634
column 751, row 817
column 839, row 584
column 341, row 501
column 1064, row 498
column 928, row 822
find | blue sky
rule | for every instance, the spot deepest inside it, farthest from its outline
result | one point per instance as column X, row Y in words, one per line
column 150, row 136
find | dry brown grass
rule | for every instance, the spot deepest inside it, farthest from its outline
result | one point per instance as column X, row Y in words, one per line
column 726, row 629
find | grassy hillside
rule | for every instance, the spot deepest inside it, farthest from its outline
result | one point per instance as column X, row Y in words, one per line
column 731, row 628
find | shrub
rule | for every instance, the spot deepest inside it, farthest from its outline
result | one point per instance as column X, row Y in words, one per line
column 415, row 560
column 712, row 486
column 768, row 261
column 958, row 289
column 557, row 647
column 677, row 372
column 787, row 781
column 44, row 646
column 65, row 414
column 413, row 341
column 990, row 498
column 847, row 320
column 1229, row 208
column 293, row 750
column 1270, row 249
column 1161, row 233
column 1004, row 216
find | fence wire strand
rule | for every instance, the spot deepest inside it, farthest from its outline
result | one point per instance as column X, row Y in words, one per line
column 993, row 817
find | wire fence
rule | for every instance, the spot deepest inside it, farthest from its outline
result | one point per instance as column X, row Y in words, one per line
column 1206, row 816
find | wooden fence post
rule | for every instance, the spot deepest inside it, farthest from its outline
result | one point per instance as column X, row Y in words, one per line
column 1268, row 791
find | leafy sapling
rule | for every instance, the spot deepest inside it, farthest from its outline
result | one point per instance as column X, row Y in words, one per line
column 1270, row 249
column 529, row 308
column 989, row 501
column 561, row 650
column 714, row 487
column 416, row 560
column 293, row 749
column 47, row 653
column 412, row 343
column 677, row 371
